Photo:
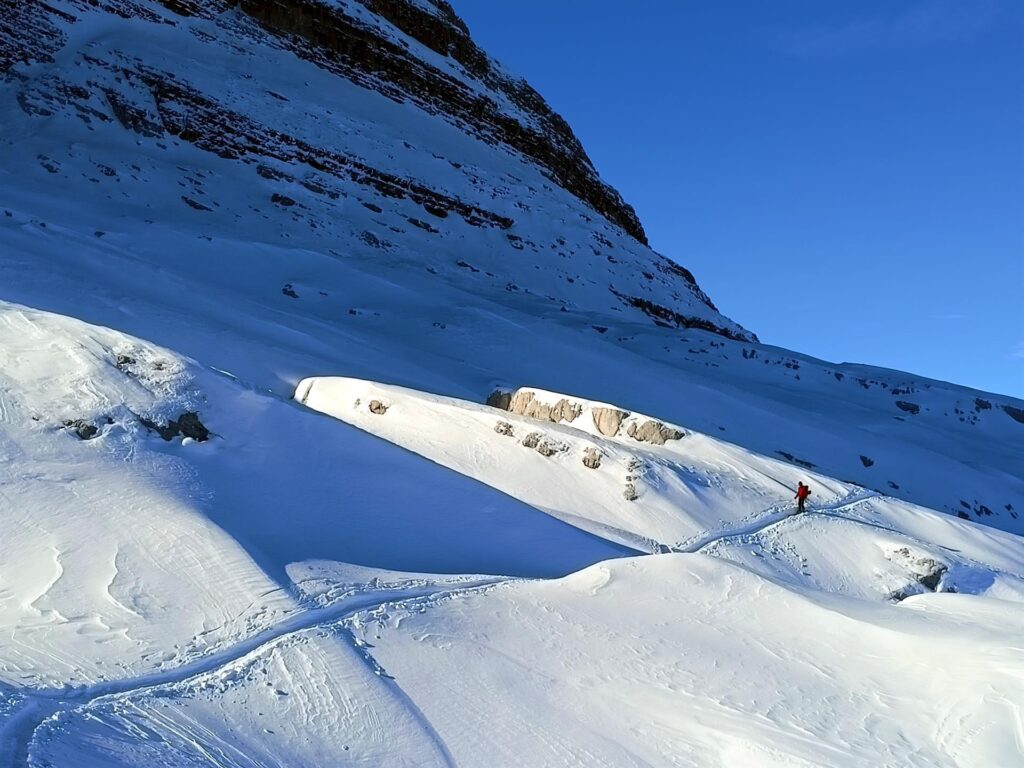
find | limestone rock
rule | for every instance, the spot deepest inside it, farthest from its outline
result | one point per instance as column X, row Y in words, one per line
column 926, row 572
column 532, row 440
column 186, row 425
column 653, row 432
column 504, row 428
column 608, row 420
column 525, row 402
column 629, row 492
column 378, row 408
column 591, row 458
column 82, row 428
column 189, row 425
column 545, row 448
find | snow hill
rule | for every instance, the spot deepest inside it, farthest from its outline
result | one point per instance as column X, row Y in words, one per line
column 346, row 418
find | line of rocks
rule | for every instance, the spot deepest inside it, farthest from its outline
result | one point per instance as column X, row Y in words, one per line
column 187, row 424
column 608, row 421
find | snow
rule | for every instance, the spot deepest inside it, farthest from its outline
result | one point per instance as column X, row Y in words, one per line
column 319, row 584
column 687, row 663
column 694, row 494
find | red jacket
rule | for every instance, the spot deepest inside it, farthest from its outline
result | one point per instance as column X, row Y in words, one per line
column 803, row 492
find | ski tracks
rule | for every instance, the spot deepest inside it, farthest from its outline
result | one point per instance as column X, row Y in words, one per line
column 39, row 706
column 775, row 515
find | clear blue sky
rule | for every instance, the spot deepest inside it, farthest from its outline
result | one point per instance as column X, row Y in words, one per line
column 844, row 178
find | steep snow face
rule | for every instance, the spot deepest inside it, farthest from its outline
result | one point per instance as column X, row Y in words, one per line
column 362, row 131
column 220, row 179
column 641, row 453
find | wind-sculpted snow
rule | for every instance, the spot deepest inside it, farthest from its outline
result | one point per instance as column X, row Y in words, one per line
column 125, row 556
column 687, row 660
column 306, row 662
column 156, row 590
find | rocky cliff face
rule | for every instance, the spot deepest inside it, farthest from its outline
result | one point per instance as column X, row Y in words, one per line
column 388, row 104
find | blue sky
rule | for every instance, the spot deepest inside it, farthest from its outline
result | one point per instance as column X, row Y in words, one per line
column 845, row 178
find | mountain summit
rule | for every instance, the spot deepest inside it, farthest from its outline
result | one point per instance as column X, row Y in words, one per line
column 374, row 130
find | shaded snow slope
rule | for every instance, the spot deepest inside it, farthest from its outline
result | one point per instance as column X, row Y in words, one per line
column 186, row 130
column 125, row 552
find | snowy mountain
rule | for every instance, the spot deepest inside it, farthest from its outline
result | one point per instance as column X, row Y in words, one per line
column 346, row 417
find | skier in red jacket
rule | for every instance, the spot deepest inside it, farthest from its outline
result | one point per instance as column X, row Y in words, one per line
column 802, row 492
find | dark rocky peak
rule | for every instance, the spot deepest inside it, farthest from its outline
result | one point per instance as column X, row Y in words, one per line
column 356, row 39
column 331, row 34
column 358, row 126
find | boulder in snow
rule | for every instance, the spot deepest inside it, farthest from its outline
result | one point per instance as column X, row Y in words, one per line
column 82, row 428
column 504, row 428
column 186, row 425
column 532, row 440
column 591, row 458
column 653, row 432
column 608, row 420
column 550, row 447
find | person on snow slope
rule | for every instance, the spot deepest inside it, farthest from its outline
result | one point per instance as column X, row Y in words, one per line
column 802, row 492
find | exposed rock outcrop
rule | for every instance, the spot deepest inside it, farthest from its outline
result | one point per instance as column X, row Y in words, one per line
column 629, row 492
column 666, row 317
column 548, row 447
column 532, row 440
column 186, row 425
column 1017, row 414
column 653, row 432
column 342, row 43
column 608, row 421
column 84, row 429
column 912, row 408
column 591, row 458
column 500, row 398
column 926, row 571
column 377, row 407
column 415, row 53
column 525, row 403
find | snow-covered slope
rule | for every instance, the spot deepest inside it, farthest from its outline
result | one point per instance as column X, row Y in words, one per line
column 688, row 493
column 191, row 173
column 219, row 218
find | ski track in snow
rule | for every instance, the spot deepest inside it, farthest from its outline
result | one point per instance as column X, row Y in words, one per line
column 21, row 726
column 18, row 731
column 773, row 518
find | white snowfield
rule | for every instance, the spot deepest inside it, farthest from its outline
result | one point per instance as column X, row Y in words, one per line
column 693, row 494
column 216, row 548
column 196, row 605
